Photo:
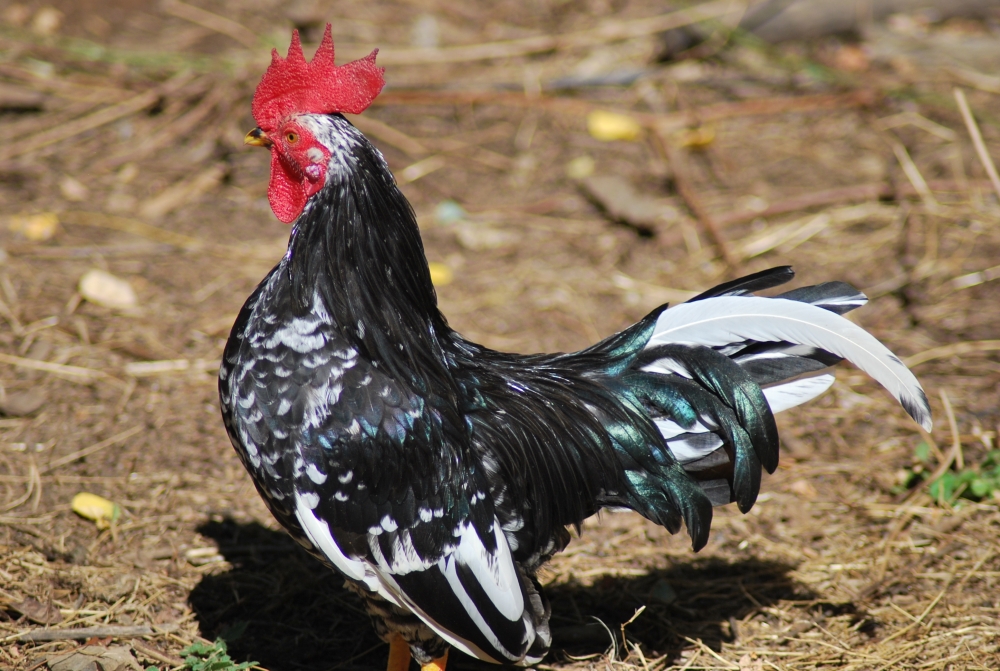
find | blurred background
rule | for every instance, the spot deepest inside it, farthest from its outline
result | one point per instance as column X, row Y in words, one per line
column 572, row 165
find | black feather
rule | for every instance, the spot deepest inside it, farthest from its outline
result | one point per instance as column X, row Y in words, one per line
column 721, row 418
column 765, row 279
column 431, row 590
column 734, row 386
column 839, row 297
column 770, row 363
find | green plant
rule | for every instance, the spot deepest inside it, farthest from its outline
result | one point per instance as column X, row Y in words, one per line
column 974, row 482
column 209, row 657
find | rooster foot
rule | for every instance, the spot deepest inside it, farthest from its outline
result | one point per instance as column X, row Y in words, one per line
column 399, row 657
column 399, row 654
column 436, row 664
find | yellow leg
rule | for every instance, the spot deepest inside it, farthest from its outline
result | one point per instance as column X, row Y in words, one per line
column 436, row 664
column 399, row 654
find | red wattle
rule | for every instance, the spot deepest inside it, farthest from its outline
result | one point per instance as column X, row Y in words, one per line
column 284, row 191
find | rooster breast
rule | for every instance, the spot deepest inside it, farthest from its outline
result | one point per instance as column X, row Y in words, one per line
column 372, row 476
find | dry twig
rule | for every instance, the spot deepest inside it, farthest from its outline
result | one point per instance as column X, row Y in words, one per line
column 172, row 133
column 668, row 123
column 956, row 349
column 132, row 226
column 85, row 633
column 678, row 162
column 846, row 194
column 93, row 449
column 610, row 31
column 212, row 21
column 913, row 174
column 73, row 128
column 74, row 373
column 977, row 140
column 956, row 441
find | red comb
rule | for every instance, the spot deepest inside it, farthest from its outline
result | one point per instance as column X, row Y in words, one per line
column 293, row 86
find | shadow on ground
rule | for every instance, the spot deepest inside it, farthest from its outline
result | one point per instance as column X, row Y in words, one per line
column 298, row 616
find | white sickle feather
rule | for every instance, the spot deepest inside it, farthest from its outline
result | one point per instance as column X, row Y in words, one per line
column 719, row 321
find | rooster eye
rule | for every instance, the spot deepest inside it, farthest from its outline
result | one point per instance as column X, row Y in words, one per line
column 291, row 137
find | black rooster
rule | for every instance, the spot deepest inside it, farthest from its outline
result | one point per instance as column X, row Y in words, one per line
column 438, row 475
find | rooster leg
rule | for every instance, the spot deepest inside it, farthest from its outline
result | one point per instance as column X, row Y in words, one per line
column 399, row 654
column 436, row 664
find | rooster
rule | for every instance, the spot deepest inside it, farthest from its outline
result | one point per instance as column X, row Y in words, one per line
column 438, row 475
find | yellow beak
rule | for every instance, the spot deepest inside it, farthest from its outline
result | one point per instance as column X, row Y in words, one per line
column 257, row 138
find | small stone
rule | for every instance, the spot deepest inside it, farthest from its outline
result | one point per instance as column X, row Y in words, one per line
column 754, row 204
column 103, row 288
column 448, row 212
column 425, row 33
column 663, row 592
column 127, row 173
column 118, row 202
column 17, row 14
column 804, row 489
column 478, row 237
column 852, row 58
column 580, row 167
column 78, row 555
column 72, row 189
column 47, row 21
column 22, row 403
column 305, row 15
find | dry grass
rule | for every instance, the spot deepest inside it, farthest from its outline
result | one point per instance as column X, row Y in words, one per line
column 834, row 567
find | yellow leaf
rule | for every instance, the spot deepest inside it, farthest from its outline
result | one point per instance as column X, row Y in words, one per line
column 580, row 167
column 696, row 138
column 35, row 227
column 441, row 274
column 610, row 126
column 96, row 508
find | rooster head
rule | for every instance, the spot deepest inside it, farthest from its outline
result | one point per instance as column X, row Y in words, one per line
column 290, row 90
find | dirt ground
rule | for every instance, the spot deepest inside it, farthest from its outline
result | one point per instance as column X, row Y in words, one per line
column 122, row 152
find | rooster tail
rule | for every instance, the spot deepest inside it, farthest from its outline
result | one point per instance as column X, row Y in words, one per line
column 710, row 374
column 700, row 391
column 669, row 495
column 737, row 324
column 716, row 368
column 615, row 354
column 657, row 486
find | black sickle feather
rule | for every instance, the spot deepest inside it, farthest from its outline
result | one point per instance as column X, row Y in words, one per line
column 734, row 386
column 770, row 369
column 711, row 409
column 743, row 286
column 839, row 297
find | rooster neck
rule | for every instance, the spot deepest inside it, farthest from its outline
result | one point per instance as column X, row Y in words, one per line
column 357, row 245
